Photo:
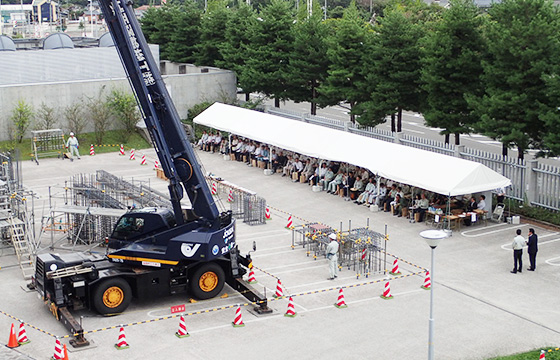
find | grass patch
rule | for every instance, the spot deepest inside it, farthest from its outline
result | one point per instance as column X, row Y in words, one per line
column 554, row 354
column 112, row 137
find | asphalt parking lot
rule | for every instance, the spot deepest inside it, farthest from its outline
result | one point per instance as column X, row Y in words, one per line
column 481, row 309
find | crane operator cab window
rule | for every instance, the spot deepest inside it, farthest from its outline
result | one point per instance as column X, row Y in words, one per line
column 129, row 227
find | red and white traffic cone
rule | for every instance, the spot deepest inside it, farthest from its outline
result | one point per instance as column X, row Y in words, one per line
column 341, row 303
column 156, row 165
column 214, row 188
column 22, row 335
column 427, row 282
column 267, row 213
column 290, row 223
column 230, row 196
column 121, row 151
column 251, row 279
column 182, row 332
column 542, row 356
column 238, row 321
column 143, row 162
column 58, row 355
column 387, row 293
column 132, row 157
column 279, row 291
column 91, row 150
column 291, row 312
column 121, row 342
column 395, row 270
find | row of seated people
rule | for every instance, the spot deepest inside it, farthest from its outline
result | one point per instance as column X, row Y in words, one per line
column 210, row 141
column 351, row 182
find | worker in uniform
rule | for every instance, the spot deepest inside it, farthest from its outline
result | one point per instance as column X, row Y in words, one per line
column 332, row 256
column 73, row 145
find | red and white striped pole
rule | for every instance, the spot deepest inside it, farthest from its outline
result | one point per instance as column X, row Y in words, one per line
column 91, row 150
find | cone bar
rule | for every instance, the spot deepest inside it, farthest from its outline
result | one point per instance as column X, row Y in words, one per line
column 291, row 312
column 341, row 303
column 121, row 151
column 57, row 350
column 143, row 162
column 238, row 321
column 387, row 293
column 290, row 223
column 182, row 332
column 121, row 342
column 132, row 157
column 251, row 279
column 230, row 196
column 427, row 281
column 542, row 356
column 156, row 165
column 364, row 252
column 279, row 291
column 214, row 188
column 12, row 342
column 267, row 213
column 91, row 150
column 22, row 335
column 395, row 270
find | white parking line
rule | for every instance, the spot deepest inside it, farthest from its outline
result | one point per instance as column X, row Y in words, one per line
column 540, row 243
column 466, row 232
column 550, row 261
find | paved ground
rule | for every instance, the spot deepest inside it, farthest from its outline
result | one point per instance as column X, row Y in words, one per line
column 481, row 310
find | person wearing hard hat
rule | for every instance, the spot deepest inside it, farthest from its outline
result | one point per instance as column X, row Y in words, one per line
column 332, row 256
column 73, row 145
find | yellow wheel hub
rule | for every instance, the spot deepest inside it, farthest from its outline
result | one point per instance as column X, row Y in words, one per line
column 113, row 297
column 208, row 281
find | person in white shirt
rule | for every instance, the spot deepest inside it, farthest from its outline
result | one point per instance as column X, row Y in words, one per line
column 517, row 246
column 331, row 188
column 202, row 140
column 332, row 256
column 73, row 145
column 482, row 203
column 370, row 188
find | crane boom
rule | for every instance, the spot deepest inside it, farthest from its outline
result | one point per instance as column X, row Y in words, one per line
column 169, row 138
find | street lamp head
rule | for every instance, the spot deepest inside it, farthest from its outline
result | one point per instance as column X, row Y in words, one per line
column 433, row 237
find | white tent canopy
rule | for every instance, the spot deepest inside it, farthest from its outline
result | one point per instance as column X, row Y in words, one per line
column 435, row 172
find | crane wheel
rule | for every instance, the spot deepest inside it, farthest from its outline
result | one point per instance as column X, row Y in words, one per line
column 207, row 281
column 112, row 296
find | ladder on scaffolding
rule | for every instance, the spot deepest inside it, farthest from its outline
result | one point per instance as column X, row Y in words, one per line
column 22, row 247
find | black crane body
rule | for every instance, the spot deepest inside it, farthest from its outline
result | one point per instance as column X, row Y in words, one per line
column 152, row 252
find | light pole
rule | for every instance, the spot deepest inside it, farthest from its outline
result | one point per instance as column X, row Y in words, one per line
column 432, row 237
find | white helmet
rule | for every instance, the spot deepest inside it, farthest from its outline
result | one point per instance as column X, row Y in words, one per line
column 71, row 134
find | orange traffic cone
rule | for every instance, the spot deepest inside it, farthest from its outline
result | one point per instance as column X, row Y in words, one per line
column 12, row 343
column 279, row 291
column 121, row 342
column 238, row 321
column 427, row 282
column 395, row 270
column 65, row 353
column 542, row 356
column 341, row 303
column 291, row 310
column 387, row 293
column 22, row 335
column 182, row 332
column 290, row 223
column 57, row 350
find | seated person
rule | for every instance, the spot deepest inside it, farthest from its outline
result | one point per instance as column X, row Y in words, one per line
column 319, row 174
column 389, row 198
column 347, row 184
column 297, row 169
column 378, row 199
column 423, row 206
column 280, row 161
column 398, row 205
column 202, row 140
column 482, row 203
column 357, row 189
column 329, row 176
column 287, row 169
column 370, row 187
column 239, row 149
column 308, row 171
column 331, row 188
column 471, row 206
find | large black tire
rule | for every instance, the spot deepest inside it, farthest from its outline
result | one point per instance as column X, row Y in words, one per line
column 207, row 281
column 112, row 296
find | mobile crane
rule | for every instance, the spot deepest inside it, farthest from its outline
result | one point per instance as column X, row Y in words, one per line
column 152, row 251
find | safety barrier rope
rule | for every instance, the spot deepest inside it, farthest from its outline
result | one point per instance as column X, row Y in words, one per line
column 28, row 324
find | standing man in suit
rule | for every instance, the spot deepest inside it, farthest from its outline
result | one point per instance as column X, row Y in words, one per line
column 532, row 249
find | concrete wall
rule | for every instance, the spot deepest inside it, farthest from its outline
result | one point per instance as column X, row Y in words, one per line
column 185, row 90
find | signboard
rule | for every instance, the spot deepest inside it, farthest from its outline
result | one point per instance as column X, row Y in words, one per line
column 178, row 309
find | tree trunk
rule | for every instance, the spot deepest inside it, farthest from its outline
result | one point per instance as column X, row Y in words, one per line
column 247, row 96
column 457, row 139
column 313, row 104
column 393, row 128
column 399, row 121
column 352, row 116
column 520, row 153
column 447, row 138
column 277, row 102
column 504, row 150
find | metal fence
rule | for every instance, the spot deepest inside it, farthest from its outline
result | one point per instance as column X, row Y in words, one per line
column 536, row 183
